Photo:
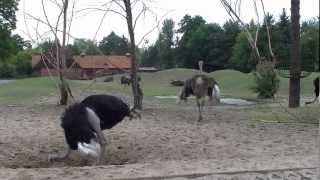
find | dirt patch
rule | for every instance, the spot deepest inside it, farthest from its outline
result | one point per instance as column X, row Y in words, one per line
column 167, row 132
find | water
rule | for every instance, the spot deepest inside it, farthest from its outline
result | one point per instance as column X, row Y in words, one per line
column 226, row 101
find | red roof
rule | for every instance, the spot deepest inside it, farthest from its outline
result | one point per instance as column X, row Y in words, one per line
column 103, row 62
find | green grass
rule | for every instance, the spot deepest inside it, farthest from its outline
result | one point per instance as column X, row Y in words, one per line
column 233, row 84
column 25, row 89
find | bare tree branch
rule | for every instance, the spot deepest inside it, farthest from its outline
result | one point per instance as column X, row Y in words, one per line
column 155, row 27
column 232, row 13
column 143, row 10
column 119, row 5
column 258, row 22
column 70, row 21
column 99, row 9
column 268, row 32
column 45, row 23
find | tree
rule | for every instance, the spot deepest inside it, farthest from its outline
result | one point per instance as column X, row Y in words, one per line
column 188, row 25
column 284, row 40
column 114, row 45
column 22, row 62
column 86, row 46
column 242, row 58
column 151, row 56
column 165, row 44
column 231, row 31
column 8, row 10
column 265, row 35
column 295, row 71
column 310, row 45
column 266, row 63
column 136, row 89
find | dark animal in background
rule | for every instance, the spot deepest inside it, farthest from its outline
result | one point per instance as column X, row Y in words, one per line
column 316, row 91
column 83, row 124
column 108, row 79
column 126, row 80
column 200, row 86
column 177, row 82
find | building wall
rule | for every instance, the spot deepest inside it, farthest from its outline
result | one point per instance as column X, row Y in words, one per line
column 77, row 73
column 74, row 73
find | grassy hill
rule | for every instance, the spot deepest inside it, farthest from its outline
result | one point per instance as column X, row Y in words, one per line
column 232, row 83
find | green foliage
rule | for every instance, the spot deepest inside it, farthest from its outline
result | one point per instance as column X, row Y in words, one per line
column 228, row 47
column 7, row 70
column 85, row 46
column 150, row 57
column 243, row 58
column 114, row 45
column 8, row 10
column 165, row 44
column 282, row 47
column 161, row 54
column 266, row 80
column 7, row 45
column 231, row 31
column 22, row 62
column 310, row 45
column 188, row 26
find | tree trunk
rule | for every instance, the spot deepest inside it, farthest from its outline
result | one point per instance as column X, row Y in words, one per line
column 64, row 87
column 136, row 89
column 295, row 69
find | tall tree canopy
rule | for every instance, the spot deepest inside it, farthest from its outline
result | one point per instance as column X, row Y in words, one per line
column 114, row 45
column 8, row 10
column 86, row 46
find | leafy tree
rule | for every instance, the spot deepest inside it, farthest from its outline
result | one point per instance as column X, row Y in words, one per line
column 243, row 58
column 20, row 43
column 8, row 10
column 208, row 44
column 85, row 46
column 165, row 44
column 263, row 37
column 231, row 31
column 7, row 45
column 151, row 56
column 310, row 44
column 114, row 45
column 282, row 47
column 22, row 62
column 188, row 25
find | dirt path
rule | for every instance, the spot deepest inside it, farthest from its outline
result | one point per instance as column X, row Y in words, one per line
column 166, row 132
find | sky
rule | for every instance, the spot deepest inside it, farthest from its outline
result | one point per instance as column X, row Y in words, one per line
column 85, row 23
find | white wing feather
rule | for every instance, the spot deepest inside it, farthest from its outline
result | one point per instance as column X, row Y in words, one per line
column 93, row 149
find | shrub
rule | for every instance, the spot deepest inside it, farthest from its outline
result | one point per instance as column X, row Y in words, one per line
column 7, row 70
column 266, row 80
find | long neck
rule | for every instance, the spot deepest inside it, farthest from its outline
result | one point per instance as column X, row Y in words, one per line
column 201, row 66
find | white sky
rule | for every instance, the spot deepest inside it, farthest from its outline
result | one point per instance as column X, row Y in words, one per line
column 85, row 25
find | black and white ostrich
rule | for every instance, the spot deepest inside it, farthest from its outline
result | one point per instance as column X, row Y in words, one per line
column 83, row 124
column 316, row 91
column 200, row 86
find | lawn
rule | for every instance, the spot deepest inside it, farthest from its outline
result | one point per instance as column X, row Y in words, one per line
column 233, row 84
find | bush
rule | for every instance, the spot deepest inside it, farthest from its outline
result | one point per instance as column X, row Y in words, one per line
column 7, row 70
column 266, row 80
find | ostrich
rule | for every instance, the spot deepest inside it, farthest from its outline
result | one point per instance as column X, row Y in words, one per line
column 83, row 124
column 316, row 91
column 200, row 86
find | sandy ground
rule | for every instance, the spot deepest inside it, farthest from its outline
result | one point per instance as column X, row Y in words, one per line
column 166, row 132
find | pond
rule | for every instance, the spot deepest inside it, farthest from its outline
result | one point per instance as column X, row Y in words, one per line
column 224, row 101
